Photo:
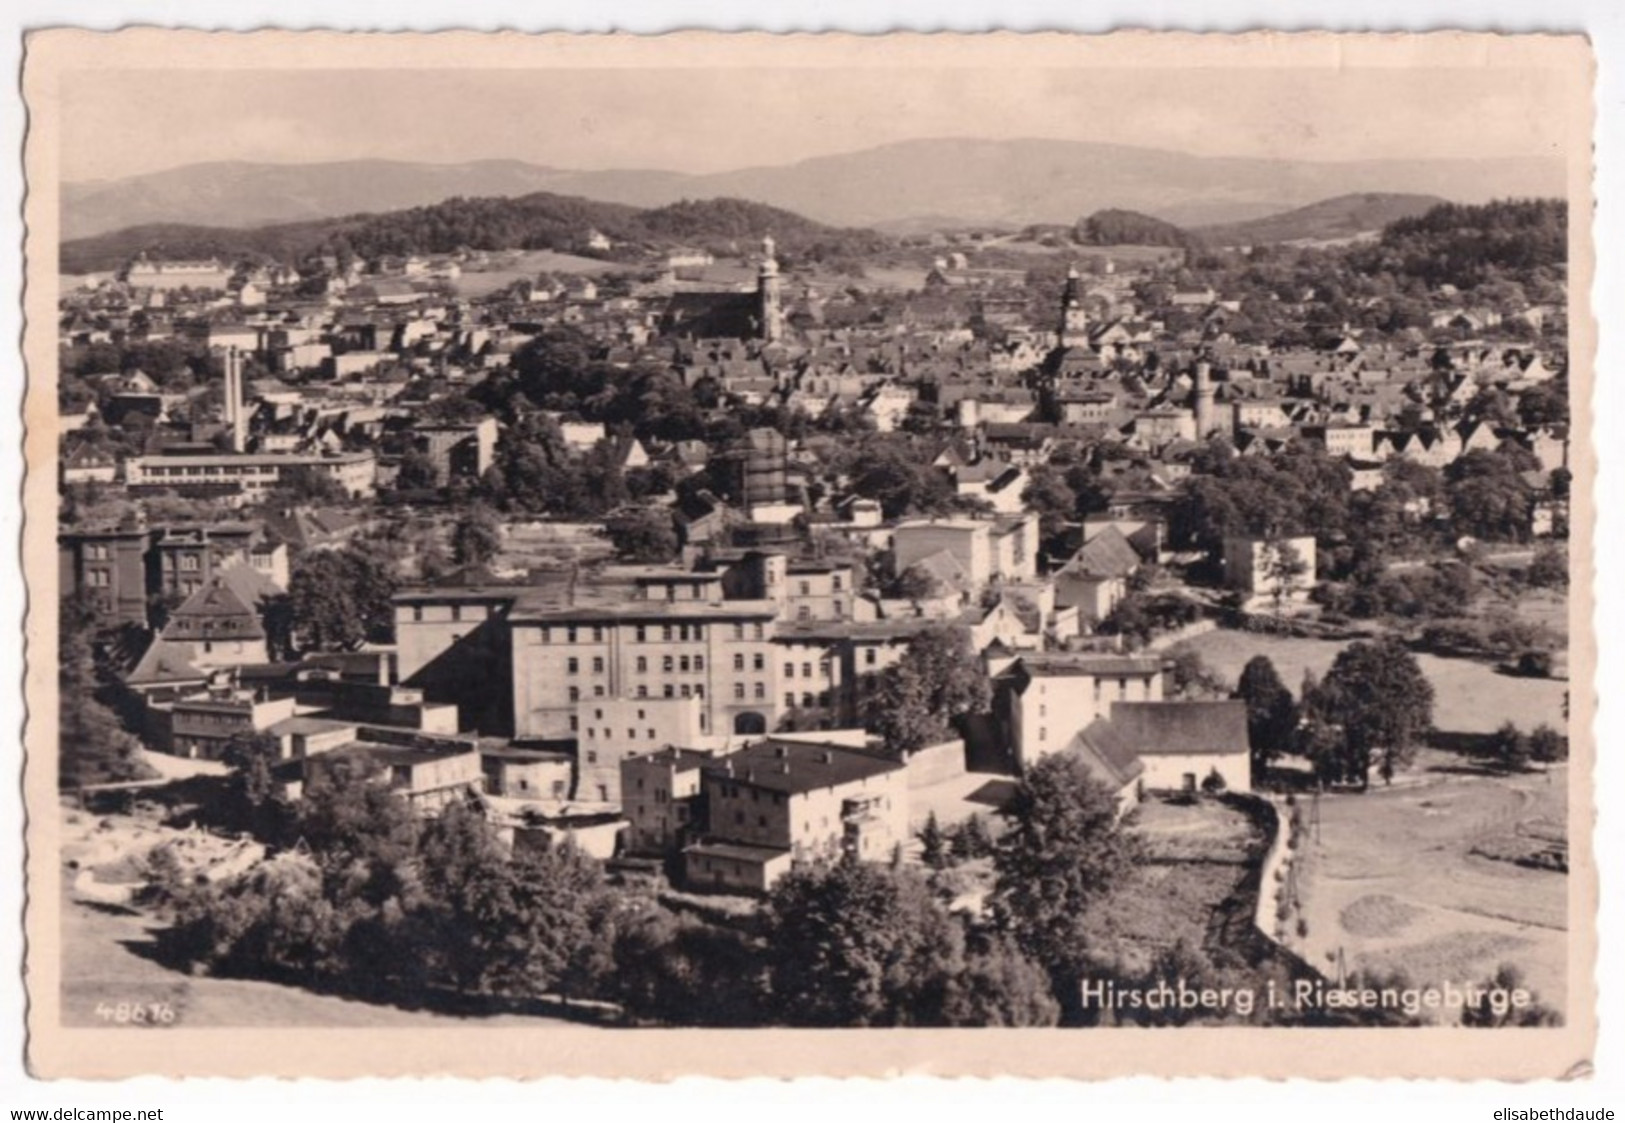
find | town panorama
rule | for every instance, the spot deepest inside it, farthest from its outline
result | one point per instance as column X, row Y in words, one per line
column 523, row 609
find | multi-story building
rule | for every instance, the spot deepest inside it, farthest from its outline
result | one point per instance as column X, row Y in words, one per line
column 801, row 589
column 186, row 558
column 108, row 568
column 1004, row 548
column 1261, row 568
column 429, row 773
column 1043, row 700
column 453, row 644
column 609, row 730
column 201, row 725
column 660, row 797
column 460, row 450
column 250, row 475
column 720, row 654
column 1343, row 439
column 776, row 803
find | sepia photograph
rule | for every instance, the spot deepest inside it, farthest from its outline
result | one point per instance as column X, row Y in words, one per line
column 564, row 540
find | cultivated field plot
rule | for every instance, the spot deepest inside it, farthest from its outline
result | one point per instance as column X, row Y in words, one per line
column 1199, row 854
column 475, row 283
column 1470, row 697
column 1427, row 877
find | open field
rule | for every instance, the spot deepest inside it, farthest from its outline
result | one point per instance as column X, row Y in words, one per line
column 1414, row 877
column 475, row 283
column 1470, row 697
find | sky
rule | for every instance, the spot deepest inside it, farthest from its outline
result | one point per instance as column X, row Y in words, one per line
column 119, row 123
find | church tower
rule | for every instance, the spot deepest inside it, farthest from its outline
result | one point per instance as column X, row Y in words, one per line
column 1202, row 400
column 767, row 293
column 1074, row 330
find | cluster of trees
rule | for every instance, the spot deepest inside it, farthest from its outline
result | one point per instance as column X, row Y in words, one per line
column 380, row 903
column 1300, row 491
column 377, row 902
column 895, row 471
column 535, row 472
column 965, row 841
column 565, row 370
column 1420, row 592
column 340, row 599
column 859, row 945
column 93, row 746
column 1466, row 246
column 1488, row 496
column 1371, row 711
column 919, row 699
column 1143, row 614
column 1130, row 228
column 1512, row 750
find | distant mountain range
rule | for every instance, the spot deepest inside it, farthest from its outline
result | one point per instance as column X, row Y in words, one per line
column 913, row 184
column 540, row 220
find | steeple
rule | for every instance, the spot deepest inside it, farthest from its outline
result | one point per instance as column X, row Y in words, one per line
column 767, row 293
column 1074, row 329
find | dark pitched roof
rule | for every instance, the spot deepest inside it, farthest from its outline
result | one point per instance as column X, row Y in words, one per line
column 1174, row 728
column 215, row 611
column 797, row 766
column 1088, row 665
column 1107, row 554
column 1117, row 763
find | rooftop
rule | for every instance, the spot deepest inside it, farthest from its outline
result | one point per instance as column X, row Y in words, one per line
column 1172, row 728
column 798, row 766
column 1089, row 664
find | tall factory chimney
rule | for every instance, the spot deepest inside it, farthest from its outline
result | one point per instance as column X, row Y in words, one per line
column 236, row 413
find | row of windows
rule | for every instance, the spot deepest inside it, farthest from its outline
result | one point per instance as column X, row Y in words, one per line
column 807, row 669
column 808, row 700
column 631, row 735
column 671, row 663
column 575, row 727
column 477, row 612
column 734, row 791
column 641, row 633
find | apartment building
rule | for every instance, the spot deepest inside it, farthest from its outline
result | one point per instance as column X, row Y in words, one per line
column 1042, row 701
column 777, row 803
column 722, row 655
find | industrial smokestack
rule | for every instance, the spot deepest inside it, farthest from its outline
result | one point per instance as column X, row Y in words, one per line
column 236, row 414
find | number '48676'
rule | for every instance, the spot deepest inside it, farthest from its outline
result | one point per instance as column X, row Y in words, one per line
column 135, row 1013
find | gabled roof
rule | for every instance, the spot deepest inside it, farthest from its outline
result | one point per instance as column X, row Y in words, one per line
column 943, row 567
column 165, row 661
column 1107, row 554
column 205, row 614
column 1174, row 728
column 1106, row 755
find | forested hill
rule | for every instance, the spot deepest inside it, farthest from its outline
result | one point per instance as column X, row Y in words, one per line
column 1466, row 246
column 538, row 221
column 1130, row 228
column 1342, row 217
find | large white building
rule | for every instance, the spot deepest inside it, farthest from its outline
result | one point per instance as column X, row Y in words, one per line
column 1043, row 701
column 252, row 474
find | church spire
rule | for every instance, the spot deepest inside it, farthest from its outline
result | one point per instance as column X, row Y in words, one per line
column 767, row 293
